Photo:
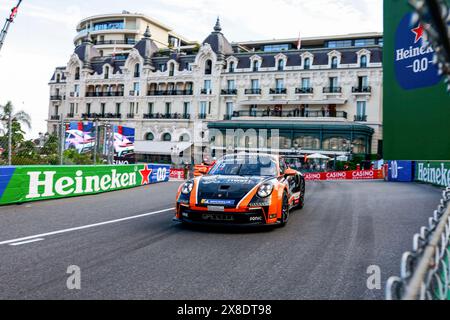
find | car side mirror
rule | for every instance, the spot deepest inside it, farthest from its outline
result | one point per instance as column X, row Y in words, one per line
column 290, row 172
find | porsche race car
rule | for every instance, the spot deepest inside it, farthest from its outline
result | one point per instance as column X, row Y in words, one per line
column 243, row 189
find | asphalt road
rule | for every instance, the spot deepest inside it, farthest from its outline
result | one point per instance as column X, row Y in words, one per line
column 323, row 253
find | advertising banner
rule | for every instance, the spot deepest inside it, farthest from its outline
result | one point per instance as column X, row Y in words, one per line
column 345, row 175
column 80, row 136
column 401, row 171
column 177, row 174
column 33, row 183
column 437, row 173
column 124, row 150
column 415, row 102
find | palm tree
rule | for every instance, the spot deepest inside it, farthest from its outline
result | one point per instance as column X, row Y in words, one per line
column 8, row 116
column 8, row 111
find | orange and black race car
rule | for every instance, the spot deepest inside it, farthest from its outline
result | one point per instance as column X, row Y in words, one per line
column 243, row 189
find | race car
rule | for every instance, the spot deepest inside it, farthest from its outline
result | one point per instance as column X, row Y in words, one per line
column 242, row 189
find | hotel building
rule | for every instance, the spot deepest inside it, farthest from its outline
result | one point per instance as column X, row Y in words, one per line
column 128, row 69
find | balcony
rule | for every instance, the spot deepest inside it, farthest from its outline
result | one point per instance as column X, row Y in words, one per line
column 170, row 93
column 130, row 116
column 253, row 91
column 304, row 90
column 74, row 94
column 278, row 91
column 202, row 116
column 365, row 89
column 206, row 91
column 112, row 42
column 101, row 116
column 55, row 117
column 134, row 93
column 360, row 118
column 229, row 92
column 104, row 94
column 170, row 116
column 70, row 115
column 332, row 90
column 56, row 98
column 287, row 114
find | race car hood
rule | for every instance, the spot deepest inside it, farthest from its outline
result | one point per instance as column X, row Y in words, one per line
column 225, row 191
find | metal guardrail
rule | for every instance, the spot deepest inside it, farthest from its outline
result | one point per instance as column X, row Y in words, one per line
column 425, row 271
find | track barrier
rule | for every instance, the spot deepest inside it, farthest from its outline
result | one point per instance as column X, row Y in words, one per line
column 425, row 271
column 33, row 183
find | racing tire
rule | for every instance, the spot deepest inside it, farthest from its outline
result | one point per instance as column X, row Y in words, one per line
column 285, row 211
column 301, row 205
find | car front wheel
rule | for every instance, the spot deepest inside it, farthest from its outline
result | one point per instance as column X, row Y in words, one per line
column 285, row 211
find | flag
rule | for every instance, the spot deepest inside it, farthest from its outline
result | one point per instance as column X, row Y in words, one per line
column 299, row 41
column 13, row 13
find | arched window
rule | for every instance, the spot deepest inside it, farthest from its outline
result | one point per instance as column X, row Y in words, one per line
column 363, row 61
column 77, row 73
column 137, row 70
column 185, row 138
column 208, row 67
column 334, row 63
column 307, row 64
column 106, row 72
column 280, row 65
column 255, row 66
column 149, row 136
column 231, row 67
column 167, row 137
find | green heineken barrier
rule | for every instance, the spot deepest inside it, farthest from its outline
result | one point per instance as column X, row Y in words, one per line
column 434, row 172
column 34, row 183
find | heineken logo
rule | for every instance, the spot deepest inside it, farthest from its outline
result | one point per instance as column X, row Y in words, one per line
column 44, row 184
column 413, row 57
column 434, row 173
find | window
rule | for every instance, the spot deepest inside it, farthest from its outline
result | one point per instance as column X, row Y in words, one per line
column 231, row 67
column 106, row 72
column 88, row 108
column 172, row 70
column 230, row 107
column 77, row 73
column 58, row 78
column 167, row 137
column 306, row 83
column 72, row 109
column 277, row 47
column 151, row 108
column 255, row 66
column 162, row 67
column 185, row 138
column 364, row 42
column 255, row 84
column 149, row 136
column 281, row 64
column 364, row 61
column 136, row 88
column 307, row 64
column 137, row 70
column 361, row 108
column 333, row 82
column 279, row 83
column 339, row 44
column 208, row 67
column 231, row 85
column 207, row 86
column 187, row 109
column 203, row 108
column 117, row 109
column 168, row 108
column 131, row 109
column 334, row 63
column 76, row 90
column 363, row 82
column 103, row 109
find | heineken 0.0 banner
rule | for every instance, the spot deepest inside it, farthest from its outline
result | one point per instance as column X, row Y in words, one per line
column 24, row 184
column 416, row 104
column 437, row 173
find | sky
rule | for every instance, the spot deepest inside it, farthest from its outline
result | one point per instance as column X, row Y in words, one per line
column 42, row 36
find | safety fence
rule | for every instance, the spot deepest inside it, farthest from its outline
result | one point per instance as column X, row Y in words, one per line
column 425, row 271
column 32, row 183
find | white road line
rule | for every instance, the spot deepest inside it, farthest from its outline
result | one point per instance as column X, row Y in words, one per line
column 26, row 242
column 84, row 227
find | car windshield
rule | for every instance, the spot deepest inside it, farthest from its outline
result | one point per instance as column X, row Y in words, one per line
column 245, row 166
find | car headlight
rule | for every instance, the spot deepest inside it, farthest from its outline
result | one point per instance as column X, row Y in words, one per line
column 265, row 190
column 187, row 187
